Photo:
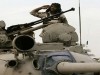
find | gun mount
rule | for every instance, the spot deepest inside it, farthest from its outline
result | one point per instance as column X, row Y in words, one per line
column 30, row 58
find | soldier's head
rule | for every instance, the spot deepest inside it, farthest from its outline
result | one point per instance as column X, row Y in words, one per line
column 2, row 24
column 54, row 8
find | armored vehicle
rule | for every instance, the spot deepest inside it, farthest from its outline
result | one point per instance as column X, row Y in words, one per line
column 27, row 57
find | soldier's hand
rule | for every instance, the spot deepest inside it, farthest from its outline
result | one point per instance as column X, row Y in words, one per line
column 45, row 6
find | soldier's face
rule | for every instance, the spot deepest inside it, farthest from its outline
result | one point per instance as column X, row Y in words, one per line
column 53, row 8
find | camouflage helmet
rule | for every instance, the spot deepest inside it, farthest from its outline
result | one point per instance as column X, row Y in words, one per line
column 2, row 24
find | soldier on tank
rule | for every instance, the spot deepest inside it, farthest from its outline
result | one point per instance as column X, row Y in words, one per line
column 50, row 10
column 58, row 29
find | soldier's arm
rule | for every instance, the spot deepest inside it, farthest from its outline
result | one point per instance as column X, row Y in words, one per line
column 36, row 12
column 62, row 19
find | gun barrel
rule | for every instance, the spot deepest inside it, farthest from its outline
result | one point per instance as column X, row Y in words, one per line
column 23, row 43
column 32, row 29
column 65, row 67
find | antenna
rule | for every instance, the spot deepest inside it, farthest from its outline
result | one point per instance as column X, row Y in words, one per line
column 80, row 23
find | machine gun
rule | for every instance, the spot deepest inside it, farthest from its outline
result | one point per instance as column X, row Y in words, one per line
column 21, row 28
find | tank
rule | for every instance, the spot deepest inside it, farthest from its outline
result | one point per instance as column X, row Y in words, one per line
column 27, row 57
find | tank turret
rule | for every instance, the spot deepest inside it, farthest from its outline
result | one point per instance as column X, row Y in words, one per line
column 61, row 57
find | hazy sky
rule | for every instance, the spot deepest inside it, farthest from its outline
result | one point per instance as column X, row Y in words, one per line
column 17, row 11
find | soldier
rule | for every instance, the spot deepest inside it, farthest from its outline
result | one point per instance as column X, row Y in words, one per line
column 58, row 29
column 50, row 10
